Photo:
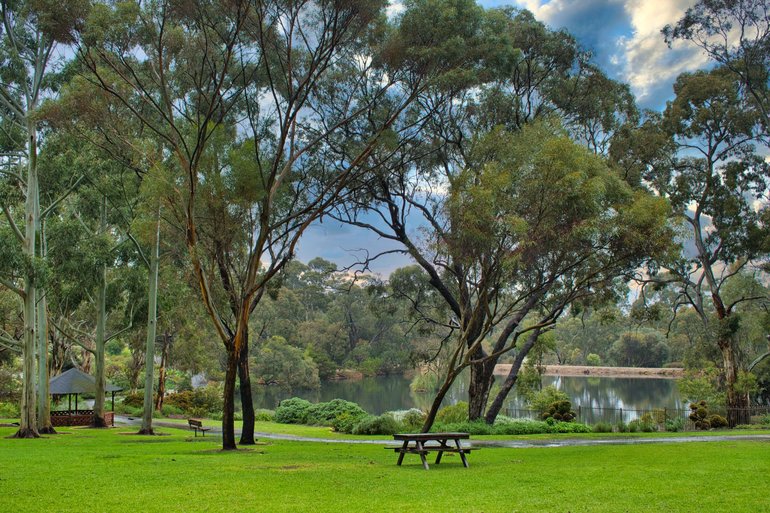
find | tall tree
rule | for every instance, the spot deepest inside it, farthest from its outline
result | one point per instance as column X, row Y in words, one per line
column 706, row 163
column 30, row 33
column 295, row 77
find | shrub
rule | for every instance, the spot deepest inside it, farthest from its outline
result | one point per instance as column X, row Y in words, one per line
column 336, row 412
column 202, row 402
column 168, row 410
column 513, row 427
column 411, row 420
column 641, row 425
column 700, row 415
column 262, row 415
column 292, row 411
column 621, row 427
column 602, row 427
column 541, row 400
column 135, row 400
column 559, row 410
column 593, row 359
column 453, row 414
column 717, row 421
column 382, row 425
column 674, row 425
column 9, row 410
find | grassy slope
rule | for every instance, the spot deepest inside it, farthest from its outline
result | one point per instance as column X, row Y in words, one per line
column 107, row 470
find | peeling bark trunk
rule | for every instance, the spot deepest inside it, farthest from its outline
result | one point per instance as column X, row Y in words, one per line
column 737, row 403
column 101, row 322
column 152, row 320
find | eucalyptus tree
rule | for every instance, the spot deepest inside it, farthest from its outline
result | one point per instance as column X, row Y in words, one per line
column 517, row 221
column 735, row 35
column 30, row 34
column 703, row 155
column 277, row 82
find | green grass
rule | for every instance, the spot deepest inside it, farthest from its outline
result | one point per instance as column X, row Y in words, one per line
column 110, row 470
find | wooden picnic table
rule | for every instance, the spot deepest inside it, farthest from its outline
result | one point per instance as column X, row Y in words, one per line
column 423, row 443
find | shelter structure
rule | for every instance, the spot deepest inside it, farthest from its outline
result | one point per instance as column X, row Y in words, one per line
column 73, row 383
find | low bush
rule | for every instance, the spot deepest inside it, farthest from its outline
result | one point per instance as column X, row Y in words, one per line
column 262, row 415
column 717, row 421
column 602, row 427
column 169, row 410
column 201, row 402
column 335, row 413
column 559, row 410
column 453, row 414
column 380, row 425
column 642, row 425
column 674, row 425
column 512, row 427
column 135, row 400
column 292, row 411
column 9, row 410
column 411, row 420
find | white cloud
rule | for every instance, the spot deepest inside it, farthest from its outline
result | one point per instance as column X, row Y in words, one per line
column 649, row 62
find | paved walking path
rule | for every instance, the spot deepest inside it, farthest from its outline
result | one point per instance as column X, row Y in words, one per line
column 514, row 444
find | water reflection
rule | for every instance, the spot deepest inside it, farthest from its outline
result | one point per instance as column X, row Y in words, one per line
column 387, row 393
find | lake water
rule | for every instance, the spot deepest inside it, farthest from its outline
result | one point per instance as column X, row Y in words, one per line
column 591, row 394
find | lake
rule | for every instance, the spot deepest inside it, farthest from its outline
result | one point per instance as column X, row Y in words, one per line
column 591, row 394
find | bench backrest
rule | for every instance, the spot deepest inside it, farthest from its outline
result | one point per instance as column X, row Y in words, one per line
column 195, row 422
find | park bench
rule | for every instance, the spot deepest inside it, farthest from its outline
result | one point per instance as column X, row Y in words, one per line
column 423, row 443
column 197, row 425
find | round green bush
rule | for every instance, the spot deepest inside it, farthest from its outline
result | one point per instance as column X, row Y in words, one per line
column 292, row 411
column 717, row 421
column 453, row 414
column 381, row 425
column 325, row 414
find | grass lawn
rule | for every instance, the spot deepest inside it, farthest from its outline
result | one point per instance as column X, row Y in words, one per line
column 111, row 471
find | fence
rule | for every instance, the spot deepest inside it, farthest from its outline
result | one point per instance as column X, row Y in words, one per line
column 657, row 417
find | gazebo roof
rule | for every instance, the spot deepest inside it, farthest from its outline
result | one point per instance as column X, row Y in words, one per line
column 75, row 381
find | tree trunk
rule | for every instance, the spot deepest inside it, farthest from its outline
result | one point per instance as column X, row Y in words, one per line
column 28, row 421
column 101, row 322
column 162, row 372
column 737, row 403
column 481, row 380
column 44, row 425
column 436, row 405
column 152, row 320
column 228, row 408
column 247, row 401
column 510, row 380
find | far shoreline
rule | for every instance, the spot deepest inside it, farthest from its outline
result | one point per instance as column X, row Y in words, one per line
column 611, row 372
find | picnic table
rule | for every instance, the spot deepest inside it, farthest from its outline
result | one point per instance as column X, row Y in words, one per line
column 423, row 443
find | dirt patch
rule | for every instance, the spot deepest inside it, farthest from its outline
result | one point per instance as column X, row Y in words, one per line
column 614, row 372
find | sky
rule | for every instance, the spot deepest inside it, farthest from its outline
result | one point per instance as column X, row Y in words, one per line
column 625, row 40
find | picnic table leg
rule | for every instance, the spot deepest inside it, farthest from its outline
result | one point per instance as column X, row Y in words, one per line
column 462, row 454
column 421, row 450
column 440, row 452
column 403, row 451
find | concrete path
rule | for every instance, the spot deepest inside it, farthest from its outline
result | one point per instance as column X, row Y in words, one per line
column 513, row 444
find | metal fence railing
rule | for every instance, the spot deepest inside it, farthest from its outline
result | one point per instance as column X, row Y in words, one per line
column 657, row 418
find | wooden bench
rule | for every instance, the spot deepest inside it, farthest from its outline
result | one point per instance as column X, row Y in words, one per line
column 197, row 425
column 423, row 443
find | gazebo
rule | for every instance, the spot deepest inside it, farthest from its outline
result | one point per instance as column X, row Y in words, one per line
column 76, row 382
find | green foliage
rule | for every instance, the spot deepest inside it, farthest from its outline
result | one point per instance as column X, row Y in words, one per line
column 200, row 402
column 327, row 414
column 702, row 386
column 278, row 362
column 543, row 399
column 674, row 425
column 425, row 382
column 634, row 349
column 381, row 425
column 263, row 415
column 169, row 410
column 560, row 411
column 717, row 421
column 135, row 400
column 453, row 414
column 512, row 427
column 593, row 360
column 704, row 419
column 602, row 427
column 9, row 410
column 292, row 411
